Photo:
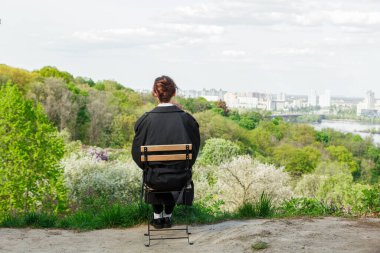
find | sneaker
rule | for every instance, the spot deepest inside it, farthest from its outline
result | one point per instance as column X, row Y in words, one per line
column 157, row 223
column 167, row 222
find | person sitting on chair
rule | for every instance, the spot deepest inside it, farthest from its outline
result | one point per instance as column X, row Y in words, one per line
column 164, row 125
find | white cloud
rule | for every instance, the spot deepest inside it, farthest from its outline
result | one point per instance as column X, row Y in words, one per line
column 190, row 29
column 311, row 13
column 154, row 36
column 233, row 53
column 293, row 51
column 199, row 10
column 114, row 34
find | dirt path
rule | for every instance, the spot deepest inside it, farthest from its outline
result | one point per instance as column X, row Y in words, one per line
column 283, row 235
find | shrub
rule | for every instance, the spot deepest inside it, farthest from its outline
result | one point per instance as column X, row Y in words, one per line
column 30, row 150
column 262, row 208
column 217, row 151
column 241, row 181
column 333, row 183
column 371, row 200
column 92, row 182
column 305, row 206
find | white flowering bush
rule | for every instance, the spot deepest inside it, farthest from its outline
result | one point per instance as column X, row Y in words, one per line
column 240, row 181
column 114, row 181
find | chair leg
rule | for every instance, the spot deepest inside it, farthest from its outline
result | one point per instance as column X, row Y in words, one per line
column 187, row 226
column 148, row 234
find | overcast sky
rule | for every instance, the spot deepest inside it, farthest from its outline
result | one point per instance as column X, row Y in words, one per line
column 237, row 45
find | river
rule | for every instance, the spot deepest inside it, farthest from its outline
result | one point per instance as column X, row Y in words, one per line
column 348, row 126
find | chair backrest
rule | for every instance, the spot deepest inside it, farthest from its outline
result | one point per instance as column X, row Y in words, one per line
column 176, row 152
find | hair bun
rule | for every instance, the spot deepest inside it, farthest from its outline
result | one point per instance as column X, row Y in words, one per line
column 165, row 88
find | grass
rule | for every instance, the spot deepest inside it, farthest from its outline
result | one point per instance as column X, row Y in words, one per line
column 259, row 245
column 127, row 215
column 306, row 207
column 107, row 217
column 261, row 209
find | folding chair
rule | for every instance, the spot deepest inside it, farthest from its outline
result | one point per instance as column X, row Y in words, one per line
column 164, row 153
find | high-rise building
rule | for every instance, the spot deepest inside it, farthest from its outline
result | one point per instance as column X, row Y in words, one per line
column 325, row 99
column 313, row 98
column 367, row 107
column 281, row 96
column 370, row 99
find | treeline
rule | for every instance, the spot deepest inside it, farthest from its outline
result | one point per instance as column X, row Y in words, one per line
column 40, row 172
column 103, row 114
column 98, row 113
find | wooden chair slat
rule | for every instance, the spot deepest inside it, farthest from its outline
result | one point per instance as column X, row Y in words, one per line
column 161, row 158
column 174, row 147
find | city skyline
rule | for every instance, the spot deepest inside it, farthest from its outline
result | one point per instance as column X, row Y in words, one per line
column 264, row 46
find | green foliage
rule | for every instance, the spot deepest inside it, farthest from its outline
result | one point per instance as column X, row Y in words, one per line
column 194, row 105
column 213, row 125
column 49, row 71
column 19, row 77
column 305, row 206
column 373, row 153
column 217, row 151
column 118, row 215
column 344, row 157
column 41, row 220
column 299, row 135
column 297, row 161
column 353, row 142
column 84, row 80
column 108, row 85
column 337, row 168
column 371, row 200
column 60, row 104
column 259, row 245
column 262, row 208
column 30, row 150
column 247, row 210
column 248, row 120
column 211, row 204
column 266, row 136
column 323, row 137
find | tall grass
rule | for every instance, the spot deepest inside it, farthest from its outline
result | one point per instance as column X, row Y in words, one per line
column 261, row 209
column 128, row 215
column 306, row 207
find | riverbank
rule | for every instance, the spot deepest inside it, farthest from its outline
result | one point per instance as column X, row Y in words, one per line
column 330, row 234
column 350, row 126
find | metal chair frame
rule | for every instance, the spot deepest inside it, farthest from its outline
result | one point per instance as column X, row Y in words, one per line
column 146, row 158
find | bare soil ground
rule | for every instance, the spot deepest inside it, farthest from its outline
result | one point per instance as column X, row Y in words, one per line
column 329, row 234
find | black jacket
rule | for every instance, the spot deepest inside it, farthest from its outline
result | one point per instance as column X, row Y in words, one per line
column 166, row 125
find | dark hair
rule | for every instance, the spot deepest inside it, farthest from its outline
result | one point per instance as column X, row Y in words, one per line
column 165, row 88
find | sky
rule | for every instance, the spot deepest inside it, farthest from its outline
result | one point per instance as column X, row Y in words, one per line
column 268, row 46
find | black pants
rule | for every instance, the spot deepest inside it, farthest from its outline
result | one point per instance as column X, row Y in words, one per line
column 159, row 208
column 166, row 202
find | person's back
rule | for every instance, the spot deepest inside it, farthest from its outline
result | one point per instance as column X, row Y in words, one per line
column 165, row 124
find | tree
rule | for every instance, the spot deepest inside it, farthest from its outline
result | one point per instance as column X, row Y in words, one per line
column 19, row 77
column 49, row 71
column 101, row 116
column 60, row 104
column 30, row 151
column 194, row 105
column 343, row 156
column 217, row 151
column 213, row 125
column 222, row 105
column 297, row 161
